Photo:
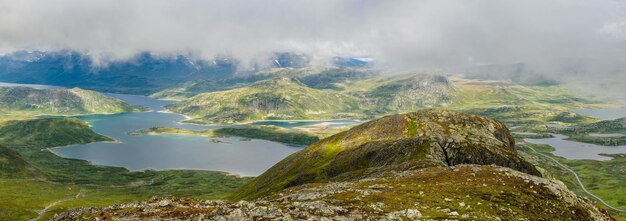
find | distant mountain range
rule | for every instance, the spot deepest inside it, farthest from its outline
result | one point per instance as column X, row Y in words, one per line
column 144, row 74
column 309, row 93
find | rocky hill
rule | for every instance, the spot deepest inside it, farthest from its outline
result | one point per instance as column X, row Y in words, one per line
column 425, row 165
column 25, row 100
column 419, row 139
column 278, row 98
column 413, row 92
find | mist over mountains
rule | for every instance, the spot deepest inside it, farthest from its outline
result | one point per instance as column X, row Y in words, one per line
column 579, row 43
column 142, row 74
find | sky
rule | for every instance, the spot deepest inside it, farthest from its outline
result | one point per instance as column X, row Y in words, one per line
column 575, row 41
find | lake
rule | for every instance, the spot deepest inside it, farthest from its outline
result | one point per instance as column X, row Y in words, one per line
column 603, row 113
column 577, row 150
column 246, row 157
column 166, row 151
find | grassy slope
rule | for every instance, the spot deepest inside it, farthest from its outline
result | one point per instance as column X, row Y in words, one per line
column 31, row 101
column 518, row 104
column 271, row 133
column 13, row 166
column 279, row 98
column 57, row 178
column 358, row 95
column 508, row 102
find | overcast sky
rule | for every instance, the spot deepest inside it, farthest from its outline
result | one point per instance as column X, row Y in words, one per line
column 585, row 37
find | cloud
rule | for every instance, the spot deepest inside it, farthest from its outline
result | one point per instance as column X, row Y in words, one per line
column 566, row 39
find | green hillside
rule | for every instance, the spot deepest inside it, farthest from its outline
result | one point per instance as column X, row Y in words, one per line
column 363, row 95
column 25, row 100
column 314, row 77
column 274, row 99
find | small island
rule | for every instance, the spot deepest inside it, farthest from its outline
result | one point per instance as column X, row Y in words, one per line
column 272, row 133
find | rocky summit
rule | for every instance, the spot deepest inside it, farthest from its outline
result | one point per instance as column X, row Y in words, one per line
column 424, row 165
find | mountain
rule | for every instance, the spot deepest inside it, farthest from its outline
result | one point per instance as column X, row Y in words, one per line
column 142, row 74
column 378, row 95
column 412, row 92
column 278, row 98
column 314, row 77
column 415, row 140
column 430, row 165
column 352, row 62
column 25, row 100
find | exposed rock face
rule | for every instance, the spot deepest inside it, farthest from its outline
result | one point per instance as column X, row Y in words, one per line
column 467, row 192
column 398, row 142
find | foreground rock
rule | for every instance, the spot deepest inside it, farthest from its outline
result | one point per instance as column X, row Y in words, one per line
column 468, row 192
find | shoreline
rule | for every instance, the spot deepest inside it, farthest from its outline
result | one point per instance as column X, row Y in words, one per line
column 226, row 173
column 259, row 121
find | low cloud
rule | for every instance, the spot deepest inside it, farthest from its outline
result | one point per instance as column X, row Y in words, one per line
column 568, row 40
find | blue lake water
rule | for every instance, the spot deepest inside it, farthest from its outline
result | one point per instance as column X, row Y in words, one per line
column 165, row 151
column 577, row 150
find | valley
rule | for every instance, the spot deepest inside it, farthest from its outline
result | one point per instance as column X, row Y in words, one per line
column 264, row 137
column 331, row 110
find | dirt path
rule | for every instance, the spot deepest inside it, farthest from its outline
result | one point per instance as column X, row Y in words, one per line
column 43, row 211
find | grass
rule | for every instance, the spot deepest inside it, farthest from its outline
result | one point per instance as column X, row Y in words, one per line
column 31, row 101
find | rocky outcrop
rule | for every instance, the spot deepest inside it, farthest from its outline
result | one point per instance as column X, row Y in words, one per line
column 420, row 139
column 467, row 192
column 413, row 92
